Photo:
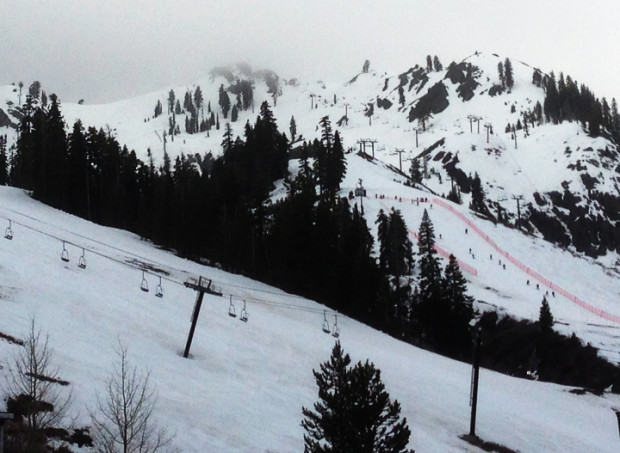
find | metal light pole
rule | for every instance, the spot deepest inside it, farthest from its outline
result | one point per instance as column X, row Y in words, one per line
column 475, row 372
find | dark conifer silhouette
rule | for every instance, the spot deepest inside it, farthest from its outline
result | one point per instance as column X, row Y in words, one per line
column 355, row 413
column 545, row 318
column 428, row 312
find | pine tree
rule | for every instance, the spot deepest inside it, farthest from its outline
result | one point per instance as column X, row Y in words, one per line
column 415, row 171
column 293, row 129
column 459, row 311
column 198, row 99
column 551, row 104
column 34, row 90
column 4, row 162
column 396, row 256
column 429, row 309
column 355, row 412
column 234, row 114
column 188, row 103
column 500, row 71
column 329, row 163
column 545, row 317
column 508, row 74
column 337, row 165
column 171, row 101
column 224, row 101
column 52, row 182
column 158, row 109
column 78, row 200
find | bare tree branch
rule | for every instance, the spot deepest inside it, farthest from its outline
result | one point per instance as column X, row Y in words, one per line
column 124, row 417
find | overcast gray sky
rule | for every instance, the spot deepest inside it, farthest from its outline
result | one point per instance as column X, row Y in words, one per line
column 103, row 50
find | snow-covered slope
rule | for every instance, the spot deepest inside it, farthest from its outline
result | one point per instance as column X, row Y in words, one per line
column 557, row 171
column 243, row 388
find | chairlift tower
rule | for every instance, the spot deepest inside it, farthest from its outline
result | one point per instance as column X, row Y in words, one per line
column 518, row 199
column 201, row 286
column 489, row 128
column 360, row 192
column 471, row 119
column 365, row 142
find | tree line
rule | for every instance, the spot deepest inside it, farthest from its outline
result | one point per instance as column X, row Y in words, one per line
column 312, row 241
column 566, row 100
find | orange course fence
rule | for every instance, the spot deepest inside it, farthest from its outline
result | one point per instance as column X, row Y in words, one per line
column 597, row 311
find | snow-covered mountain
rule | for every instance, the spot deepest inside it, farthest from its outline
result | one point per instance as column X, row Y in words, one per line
column 244, row 388
column 455, row 121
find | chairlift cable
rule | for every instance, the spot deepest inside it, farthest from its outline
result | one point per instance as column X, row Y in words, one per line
column 272, row 303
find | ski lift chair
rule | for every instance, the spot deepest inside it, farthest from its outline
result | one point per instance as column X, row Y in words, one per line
column 82, row 261
column 64, row 255
column 325, row 326
column 231, row 309
column 336, row 330
column 244, row 314
column 144, row 286
column 159, row 291
column 8, row 233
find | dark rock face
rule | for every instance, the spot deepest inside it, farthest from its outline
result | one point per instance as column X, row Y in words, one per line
column 434, row 101
column 384, row 103
column 568, row 221
column 463, row 74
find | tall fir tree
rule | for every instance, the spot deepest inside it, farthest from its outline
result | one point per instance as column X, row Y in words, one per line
column 545, row 317
column 428, row 311
column 395, row 249
column 293, row 129
column 224, row 101
column 500, row 73
column 23, row 162
column 78, row 198
column 508, row 74
column 171, row 101
column 437, row 64
column 4, row 162
column 198, row 98
column 456, row 338
column 355, row 412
